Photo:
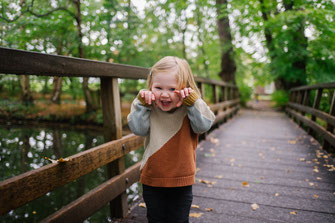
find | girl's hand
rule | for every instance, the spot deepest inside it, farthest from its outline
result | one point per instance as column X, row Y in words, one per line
column 148, row 96
column 183, row 93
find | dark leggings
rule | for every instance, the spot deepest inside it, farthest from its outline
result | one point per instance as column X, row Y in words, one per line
column 168, row 204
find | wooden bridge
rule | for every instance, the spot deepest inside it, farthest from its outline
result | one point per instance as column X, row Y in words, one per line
column 257, row 167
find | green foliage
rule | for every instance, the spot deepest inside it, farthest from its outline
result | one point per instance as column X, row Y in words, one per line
column 245, row 94
column 281, row 98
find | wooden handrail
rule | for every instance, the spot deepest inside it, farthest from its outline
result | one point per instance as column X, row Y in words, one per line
column 21, row 62
column 298, row 107
column 28, row 186
column 86, row 205
column 315, row 86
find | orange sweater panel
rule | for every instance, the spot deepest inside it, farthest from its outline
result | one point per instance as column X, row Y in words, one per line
column 174, row 164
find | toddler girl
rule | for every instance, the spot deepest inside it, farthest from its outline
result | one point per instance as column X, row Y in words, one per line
column 170, row 114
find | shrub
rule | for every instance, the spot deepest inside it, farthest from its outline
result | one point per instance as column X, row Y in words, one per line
column 280, row 98
column 245, row 94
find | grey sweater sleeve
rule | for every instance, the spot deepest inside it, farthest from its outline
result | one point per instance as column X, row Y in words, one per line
column 201, row 116
column 139, row 118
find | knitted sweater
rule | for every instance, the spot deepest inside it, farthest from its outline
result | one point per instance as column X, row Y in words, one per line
column 170, row 140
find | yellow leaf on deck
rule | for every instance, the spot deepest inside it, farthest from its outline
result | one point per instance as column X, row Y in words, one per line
column 214, row 140
column 294, row 212
column 195, row 206
column 219, row 176
column 316, row 196
column 209, row 209
column 206, row 182
column 245, row 184
column 142, row 205
column 254, row 207
column 276, row 194
column 292, row 142
column 196, row 215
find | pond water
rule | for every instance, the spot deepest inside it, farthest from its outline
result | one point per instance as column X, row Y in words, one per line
column 23, row 148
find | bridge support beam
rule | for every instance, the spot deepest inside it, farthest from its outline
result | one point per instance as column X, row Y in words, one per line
column 111, row 108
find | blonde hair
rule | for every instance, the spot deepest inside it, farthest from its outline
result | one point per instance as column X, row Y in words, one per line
column 179, row 67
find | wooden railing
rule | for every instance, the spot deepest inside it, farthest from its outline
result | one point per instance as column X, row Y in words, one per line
column 28, row 186
column 306, row 111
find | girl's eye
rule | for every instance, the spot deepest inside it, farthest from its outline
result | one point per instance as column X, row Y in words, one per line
column 159, row 88
column 172, row 89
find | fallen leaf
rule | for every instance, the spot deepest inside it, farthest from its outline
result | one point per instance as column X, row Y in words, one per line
column 311, row 184
column 142, row 205
column 195, row 206
column 52, row 160
column 209, row 154
column 219, row 177
column 61, row 160
column 319, row 178
column 206, row 182
column 302, row 159
column 316, row 196
column 209, row 209
column 254, row 206
column 245, row 184
column 276, row 194
column 196, row 215
column 294, row 212
column 214, row 140
column 292, row 142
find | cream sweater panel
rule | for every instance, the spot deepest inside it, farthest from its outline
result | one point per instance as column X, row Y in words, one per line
column 163, row 126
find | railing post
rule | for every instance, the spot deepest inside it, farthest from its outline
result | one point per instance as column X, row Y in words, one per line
column 111, row 108
column 316, row 105
column 304, row 101
column 330, row 128
column 202, row 90
column 215, row 94
column 224, row 93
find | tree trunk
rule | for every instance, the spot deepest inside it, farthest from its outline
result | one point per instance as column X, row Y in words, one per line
column 25, row 87
column 88, row 98
column 228, row 67
column 201, row 39
column 299, row 64
column 57, row 90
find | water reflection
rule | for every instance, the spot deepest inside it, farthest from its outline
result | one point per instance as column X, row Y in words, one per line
column 24, row 148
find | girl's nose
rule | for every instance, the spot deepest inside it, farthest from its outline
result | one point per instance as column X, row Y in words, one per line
column 164, row 94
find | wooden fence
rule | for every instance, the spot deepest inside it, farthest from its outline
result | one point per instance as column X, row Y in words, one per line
column 28, row 186
column 306, row 111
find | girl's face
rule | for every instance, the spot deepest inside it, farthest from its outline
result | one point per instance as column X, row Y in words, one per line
column 163, row 87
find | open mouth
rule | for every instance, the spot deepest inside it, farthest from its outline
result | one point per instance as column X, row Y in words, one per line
column 165, row 103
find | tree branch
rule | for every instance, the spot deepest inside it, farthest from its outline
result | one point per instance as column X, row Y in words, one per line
column 28, row 10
